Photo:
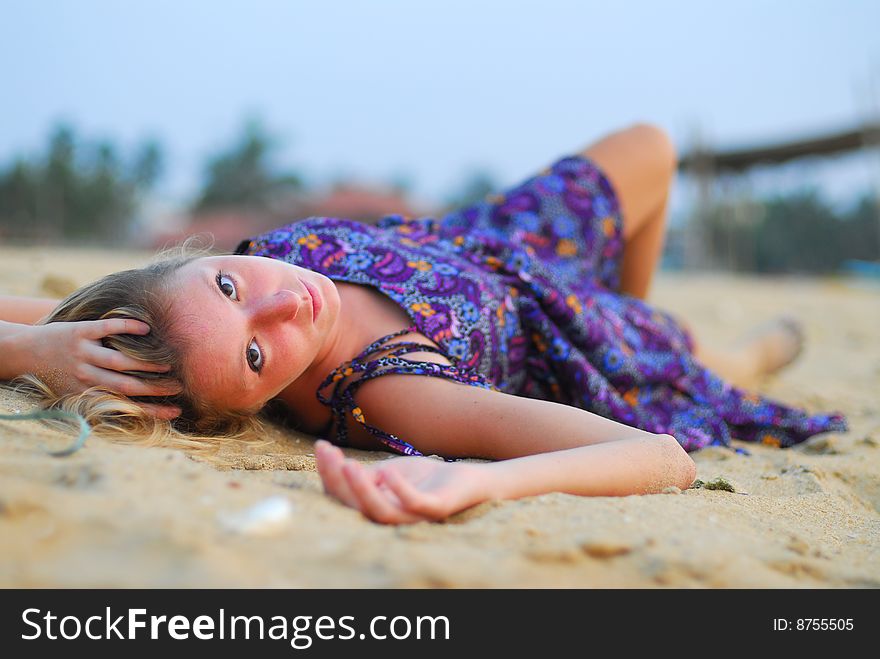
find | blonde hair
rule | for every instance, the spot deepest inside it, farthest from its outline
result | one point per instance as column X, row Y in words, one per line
column 142, row 294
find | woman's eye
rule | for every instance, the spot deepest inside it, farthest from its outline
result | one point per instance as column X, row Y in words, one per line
column 255, row 357
column 227, row 286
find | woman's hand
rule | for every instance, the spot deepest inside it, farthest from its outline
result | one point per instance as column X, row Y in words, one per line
column 401, row 490
column 69, row 357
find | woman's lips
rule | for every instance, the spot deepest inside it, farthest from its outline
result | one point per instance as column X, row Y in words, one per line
column 317, row 303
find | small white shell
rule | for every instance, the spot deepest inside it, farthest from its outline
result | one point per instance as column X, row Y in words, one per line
column 265, row 517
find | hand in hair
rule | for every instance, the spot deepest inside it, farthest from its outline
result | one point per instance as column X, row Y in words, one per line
column 69, row 357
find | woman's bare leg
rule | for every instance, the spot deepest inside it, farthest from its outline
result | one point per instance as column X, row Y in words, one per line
column 640, row 162
column 765, row 349
column 642, row 253
column 739, row 367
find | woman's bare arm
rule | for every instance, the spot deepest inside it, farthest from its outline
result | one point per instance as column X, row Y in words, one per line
column 543, row 447
column 412, row 489
column 635, row 465
column 447, row 418
column 25, row 310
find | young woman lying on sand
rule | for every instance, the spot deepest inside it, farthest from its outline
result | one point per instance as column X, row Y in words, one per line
column 526, row 310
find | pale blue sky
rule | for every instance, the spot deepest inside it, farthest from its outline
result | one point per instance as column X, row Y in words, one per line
column 374, row 89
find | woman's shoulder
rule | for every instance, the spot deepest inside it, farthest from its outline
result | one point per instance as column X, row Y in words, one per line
column 440, row 416
column 383, row 395
column 408, row 406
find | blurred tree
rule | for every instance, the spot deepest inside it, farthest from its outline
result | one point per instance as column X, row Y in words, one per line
column 79, row 191
column 799, row 233
column 104, row 201
column 475, row 187
column 860, row 238
column 59, row 180
column 148, row 164
column 402, row 183
column 243, row 177
column 18, row 196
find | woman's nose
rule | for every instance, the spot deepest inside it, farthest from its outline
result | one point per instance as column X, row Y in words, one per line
column 282, row 305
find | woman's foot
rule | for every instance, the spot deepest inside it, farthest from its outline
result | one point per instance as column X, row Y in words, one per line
column 773, row 345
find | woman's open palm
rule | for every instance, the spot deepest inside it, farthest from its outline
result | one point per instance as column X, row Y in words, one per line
column 400, row 490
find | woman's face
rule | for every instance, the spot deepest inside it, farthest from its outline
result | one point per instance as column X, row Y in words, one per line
column 247, row 326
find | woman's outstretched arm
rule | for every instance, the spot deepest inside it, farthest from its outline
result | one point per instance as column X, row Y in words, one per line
column 412, row 489
column 442, row 417
column 635, row 465
column 542, row 447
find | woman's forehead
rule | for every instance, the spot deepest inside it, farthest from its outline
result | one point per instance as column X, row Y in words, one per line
column 210, row 333
column 237, row 260
column 195, row 270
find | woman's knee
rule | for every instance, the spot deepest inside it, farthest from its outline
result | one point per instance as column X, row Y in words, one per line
column 640, row 155
column 640, row 162
column 658, row 141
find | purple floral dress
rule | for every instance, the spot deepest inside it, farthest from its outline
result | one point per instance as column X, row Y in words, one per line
column 521, row 293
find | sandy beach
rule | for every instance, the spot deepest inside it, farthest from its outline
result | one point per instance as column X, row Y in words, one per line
column 128, row 516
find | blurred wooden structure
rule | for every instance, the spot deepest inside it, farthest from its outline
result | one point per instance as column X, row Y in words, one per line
column 739, row 160
column 705, row 164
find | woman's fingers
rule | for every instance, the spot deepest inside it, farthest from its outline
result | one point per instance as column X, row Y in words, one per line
column 100, row 328
column 330, row 460
column 113, row 359
column 116, row 361
column 374, row 504
column 358, row 490
column 164, row 412
column 125, row 384
column 411, row 498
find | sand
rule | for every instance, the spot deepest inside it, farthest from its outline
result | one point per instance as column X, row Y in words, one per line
column 128, row 516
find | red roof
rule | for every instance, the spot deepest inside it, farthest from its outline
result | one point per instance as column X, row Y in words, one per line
column 360, row 203
column 351, row 201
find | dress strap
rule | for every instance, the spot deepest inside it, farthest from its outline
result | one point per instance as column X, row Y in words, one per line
column 341, row 401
